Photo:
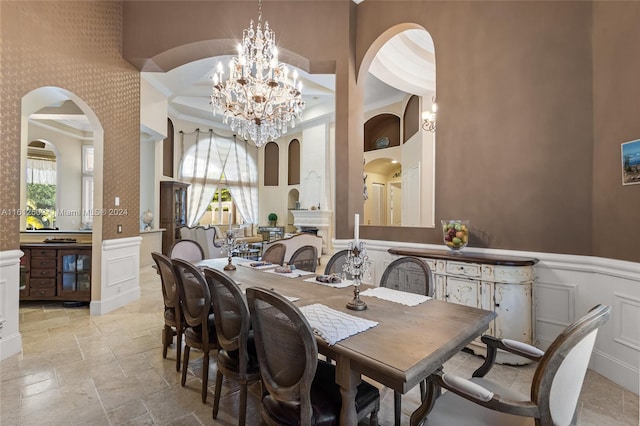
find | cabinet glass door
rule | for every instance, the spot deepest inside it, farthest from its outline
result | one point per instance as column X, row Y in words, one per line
column 75, row 273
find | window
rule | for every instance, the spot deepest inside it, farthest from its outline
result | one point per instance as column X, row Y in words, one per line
column 212, row 163
column 87, row 186
column 41, row 186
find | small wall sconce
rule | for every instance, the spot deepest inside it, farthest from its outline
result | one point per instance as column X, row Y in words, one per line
column 429, row 117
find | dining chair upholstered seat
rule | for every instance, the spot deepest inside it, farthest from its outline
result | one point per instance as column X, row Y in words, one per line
column 555, row 387
column 305, row 258
column 411, row 275
column 335, row 265
column 274, row 254
column 237, row 357
column 197, row 310
column 188, row 250
column 301, row 389
column 173, row 319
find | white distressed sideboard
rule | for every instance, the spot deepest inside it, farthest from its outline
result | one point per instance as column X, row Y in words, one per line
column 503, row 284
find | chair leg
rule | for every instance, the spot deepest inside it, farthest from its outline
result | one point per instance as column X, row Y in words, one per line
column 243, row 404
column 178, row 349
column 205, row 375
column 166, row 332
column 216, row 396
column 185, row 365
column 397, row 407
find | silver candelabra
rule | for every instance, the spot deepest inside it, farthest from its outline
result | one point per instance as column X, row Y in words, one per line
column 230, row 245
column 356, row 265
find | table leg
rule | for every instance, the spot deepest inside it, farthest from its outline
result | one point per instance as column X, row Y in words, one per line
column 433, row 391
column 348, row 380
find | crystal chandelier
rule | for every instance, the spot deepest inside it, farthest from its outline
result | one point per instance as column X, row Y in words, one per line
column 260, row 98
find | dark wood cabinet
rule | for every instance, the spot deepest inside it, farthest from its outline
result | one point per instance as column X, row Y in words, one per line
column 55, row 272
column 173, row 211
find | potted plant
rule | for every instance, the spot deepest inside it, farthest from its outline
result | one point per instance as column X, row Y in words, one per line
column 273, row 219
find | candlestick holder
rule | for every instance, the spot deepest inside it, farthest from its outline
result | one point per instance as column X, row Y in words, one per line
column 356, row 265
column 230, row 245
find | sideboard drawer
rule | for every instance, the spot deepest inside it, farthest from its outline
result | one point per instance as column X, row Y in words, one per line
column 43, row 262
column 42, row 273
column 42, row 292
column 36, row 252
column 464, row 269
column 42, row 283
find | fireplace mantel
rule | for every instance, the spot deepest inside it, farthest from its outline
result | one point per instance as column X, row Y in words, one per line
column 321, row 219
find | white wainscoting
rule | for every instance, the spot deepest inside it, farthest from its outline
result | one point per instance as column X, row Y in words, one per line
column 566, row 287
column 10, row 337
column 120, row 275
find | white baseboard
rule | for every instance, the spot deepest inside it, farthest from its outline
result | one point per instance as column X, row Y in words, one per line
column 621, row 373
column 101, row 307
column 10, row 345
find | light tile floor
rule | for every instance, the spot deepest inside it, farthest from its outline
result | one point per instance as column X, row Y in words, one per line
column 109, row 370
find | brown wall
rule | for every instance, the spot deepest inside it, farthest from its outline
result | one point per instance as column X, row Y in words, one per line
column 616, row 86
column 514, row 138
column 76, row 46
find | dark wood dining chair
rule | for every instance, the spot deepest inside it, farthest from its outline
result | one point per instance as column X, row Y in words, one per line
column 196, row 307
column 336, row 263
column 301, row 389
column 173, row 317
column 555, row 387
column 188, row 250
column 274, row 254
column 237, row 357
column 411, row 275
column 305, row 258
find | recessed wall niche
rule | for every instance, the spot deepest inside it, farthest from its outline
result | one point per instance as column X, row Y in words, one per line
column 381, row 131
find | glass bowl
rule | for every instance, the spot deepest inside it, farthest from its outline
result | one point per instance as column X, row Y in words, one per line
column 455, row 233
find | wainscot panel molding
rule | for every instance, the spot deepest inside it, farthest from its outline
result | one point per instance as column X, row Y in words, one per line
column 120, row 277
column 10, row 337
column 565, row 288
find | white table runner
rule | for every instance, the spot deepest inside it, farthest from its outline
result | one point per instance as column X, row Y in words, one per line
column 342, row 284
column 397, row 296
column 333, row 325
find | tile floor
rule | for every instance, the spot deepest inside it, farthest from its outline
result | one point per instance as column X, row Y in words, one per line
column 109, row 370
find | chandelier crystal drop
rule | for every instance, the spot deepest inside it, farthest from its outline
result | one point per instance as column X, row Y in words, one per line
column 260, row 100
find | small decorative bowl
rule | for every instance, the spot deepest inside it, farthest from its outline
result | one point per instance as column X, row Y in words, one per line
column 455, row 233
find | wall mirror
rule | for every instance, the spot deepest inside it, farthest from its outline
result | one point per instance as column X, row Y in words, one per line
column 399, row 156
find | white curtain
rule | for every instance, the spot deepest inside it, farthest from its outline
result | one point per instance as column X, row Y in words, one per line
column 41, row 171
column 209, row 158
column 242, row 179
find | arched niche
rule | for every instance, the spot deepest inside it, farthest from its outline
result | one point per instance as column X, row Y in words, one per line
column 400, row 63
column 381, row 131
column 293, row 202
column 271, row 164
column 293, row 158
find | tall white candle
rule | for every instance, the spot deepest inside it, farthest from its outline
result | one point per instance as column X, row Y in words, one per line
column 356, row 227
column 230, row 217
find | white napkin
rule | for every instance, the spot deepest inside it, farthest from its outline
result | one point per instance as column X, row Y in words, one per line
column 343, row 284
column 292, row 298
column 293, row 274
column 249, row 265
column 333, row 325
column 403, row 297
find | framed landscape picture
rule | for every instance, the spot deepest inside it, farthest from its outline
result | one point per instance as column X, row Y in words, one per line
column 630, row 162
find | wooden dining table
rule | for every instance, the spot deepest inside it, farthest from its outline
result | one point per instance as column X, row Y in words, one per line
column 408, row 344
